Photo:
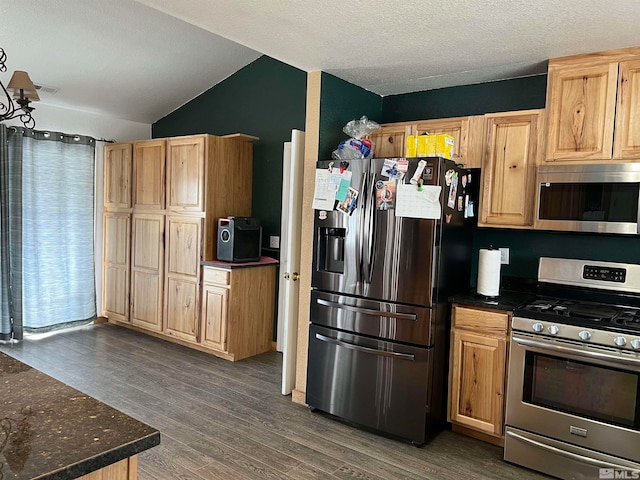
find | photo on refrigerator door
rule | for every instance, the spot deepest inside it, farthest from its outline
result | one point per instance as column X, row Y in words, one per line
column 350, row 203
column 385, row 195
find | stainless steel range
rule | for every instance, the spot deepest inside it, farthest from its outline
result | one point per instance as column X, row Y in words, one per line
column 573, row 392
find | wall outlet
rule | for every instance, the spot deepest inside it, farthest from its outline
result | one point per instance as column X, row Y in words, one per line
column 504, row 256
column 274, row 241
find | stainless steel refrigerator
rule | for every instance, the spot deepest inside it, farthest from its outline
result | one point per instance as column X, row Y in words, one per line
column 378, row 340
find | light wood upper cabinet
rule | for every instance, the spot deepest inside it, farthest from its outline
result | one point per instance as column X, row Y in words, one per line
column 478, row 366
column 115, row 265
column 467, row 133
column 390, row 140
column 508, row 171
column 148, row 174
column 627, row 126
column 581, row 103
column 117, row 175
column 185, row 173
column 593, row 107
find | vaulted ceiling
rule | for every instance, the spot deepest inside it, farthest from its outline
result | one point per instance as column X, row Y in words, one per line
column 140, row 60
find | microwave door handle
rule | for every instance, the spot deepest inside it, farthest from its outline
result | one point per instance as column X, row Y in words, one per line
column 564, row 453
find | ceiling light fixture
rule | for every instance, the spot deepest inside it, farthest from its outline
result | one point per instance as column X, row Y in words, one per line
column 24, row 92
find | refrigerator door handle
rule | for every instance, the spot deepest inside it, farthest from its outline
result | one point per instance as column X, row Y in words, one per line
column 361, row 233
column 374, row 351
column 371, row 234
column 368, row 311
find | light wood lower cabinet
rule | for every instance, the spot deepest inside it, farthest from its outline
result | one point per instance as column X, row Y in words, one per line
column 147, row 270
column 237, row 310
column 478, row 369
column 182, row 279
column 115, row 263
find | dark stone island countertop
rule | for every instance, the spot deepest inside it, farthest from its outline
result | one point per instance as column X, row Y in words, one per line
column 51, row 431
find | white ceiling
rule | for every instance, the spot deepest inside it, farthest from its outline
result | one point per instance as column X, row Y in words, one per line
column 140, row 60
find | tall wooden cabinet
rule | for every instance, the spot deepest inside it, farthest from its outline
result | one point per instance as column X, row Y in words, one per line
column 157, row 234
column 117, row 230
column 593, row 103
column 478, row 370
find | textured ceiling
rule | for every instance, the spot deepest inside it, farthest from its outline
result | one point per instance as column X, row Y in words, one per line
column 139, row 60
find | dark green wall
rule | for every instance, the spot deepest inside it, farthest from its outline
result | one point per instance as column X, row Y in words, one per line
column 526, row 246
column 341, row 102
column 517, row 94
column 265, row 99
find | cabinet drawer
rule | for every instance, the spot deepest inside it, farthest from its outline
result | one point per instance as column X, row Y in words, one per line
column 214, row 275
column 480, row 320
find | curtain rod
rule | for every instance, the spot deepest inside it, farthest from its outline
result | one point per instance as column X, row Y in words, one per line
column 46, row 133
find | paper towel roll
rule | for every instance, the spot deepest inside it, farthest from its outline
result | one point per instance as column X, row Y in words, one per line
column 489, row 272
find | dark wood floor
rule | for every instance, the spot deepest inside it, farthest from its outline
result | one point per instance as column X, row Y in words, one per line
column 223, row 420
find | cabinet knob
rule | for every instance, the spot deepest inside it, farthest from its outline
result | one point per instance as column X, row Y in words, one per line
column 286, row 275
column 295, row 276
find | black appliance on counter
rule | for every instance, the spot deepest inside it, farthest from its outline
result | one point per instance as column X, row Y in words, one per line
column 239, row 239
column 573, row 392
column 378, row 342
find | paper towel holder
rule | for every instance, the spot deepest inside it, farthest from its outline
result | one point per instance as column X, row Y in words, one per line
column 488, row 284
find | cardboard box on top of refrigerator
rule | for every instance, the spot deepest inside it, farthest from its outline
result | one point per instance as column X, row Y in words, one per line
column 438, row 145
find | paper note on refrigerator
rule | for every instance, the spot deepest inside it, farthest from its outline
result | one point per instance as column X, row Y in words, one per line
column 324, row 195
column 411, row 202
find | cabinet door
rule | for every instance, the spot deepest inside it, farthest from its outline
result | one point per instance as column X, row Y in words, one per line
column 117, row 175
column 148, row 174
column 581, row 105
column 116, row 266
column 390, row 140
column 147, row 267
column 214, row 316
column 627, row 133
column 457, row 127
column 508, row 172
column 185, row 173
column 478, row 368
column 183, row 257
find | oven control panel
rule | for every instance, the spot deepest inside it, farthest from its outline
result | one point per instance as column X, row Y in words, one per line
column 607, row 274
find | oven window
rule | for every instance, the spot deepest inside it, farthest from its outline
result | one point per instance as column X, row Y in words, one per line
column 593, row 391
column 589, row 202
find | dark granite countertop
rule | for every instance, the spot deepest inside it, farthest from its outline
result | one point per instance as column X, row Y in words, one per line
column 513, row 292
column 264, row 261
column 51, row 431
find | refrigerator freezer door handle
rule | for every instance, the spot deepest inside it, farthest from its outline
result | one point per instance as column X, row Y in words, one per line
column 367, row 311
column 374, row 351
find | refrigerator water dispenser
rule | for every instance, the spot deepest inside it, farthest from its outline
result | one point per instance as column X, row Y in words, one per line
column 331, row 249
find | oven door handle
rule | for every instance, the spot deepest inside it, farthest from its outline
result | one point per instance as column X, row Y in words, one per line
column 358, row 348
column 579, row 353
column 564, row 453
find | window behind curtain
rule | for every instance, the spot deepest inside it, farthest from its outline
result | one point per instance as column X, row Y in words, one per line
column 57, row 231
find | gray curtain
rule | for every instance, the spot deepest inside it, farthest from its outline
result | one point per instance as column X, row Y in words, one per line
column 10, row 234
column 57, row 230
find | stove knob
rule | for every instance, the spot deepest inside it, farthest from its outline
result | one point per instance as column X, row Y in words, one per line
column 584, row 335
column 620, row 341
column 553, row 330
column 537, row 327
column 635, row 344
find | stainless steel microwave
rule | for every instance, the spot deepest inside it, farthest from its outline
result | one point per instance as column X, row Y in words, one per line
column 603, row 198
